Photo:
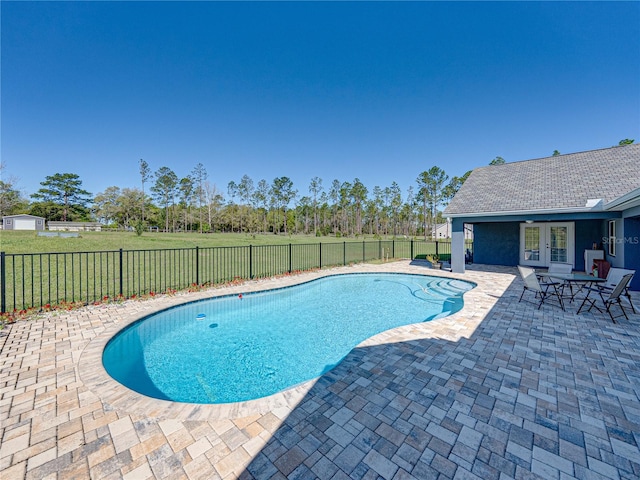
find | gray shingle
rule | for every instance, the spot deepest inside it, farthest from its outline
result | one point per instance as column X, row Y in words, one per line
column 564, row 181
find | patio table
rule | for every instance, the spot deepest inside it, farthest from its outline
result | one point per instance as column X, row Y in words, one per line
column 571, row 279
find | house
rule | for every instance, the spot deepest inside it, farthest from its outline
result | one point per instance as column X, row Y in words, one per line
column 22, row 222
column 74, row 226
column 567, row 208
column 443, row 231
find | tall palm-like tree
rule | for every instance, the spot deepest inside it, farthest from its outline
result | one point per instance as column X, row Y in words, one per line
column 165, row 189
column 145, row 175
column 282, row 192
column 315, row 189
column 431, row 183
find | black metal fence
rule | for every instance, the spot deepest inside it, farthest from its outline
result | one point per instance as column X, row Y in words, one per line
column 43, row 280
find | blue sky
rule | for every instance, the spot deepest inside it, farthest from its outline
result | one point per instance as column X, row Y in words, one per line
column 378, row 91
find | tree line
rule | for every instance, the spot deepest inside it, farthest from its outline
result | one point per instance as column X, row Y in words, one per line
column 168, row 203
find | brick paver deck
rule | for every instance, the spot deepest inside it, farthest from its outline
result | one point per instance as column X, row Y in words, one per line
column 498, row 390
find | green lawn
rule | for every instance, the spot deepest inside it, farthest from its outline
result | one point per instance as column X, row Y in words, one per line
column 29, row 242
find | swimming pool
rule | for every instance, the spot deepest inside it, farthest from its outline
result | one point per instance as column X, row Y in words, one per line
column 244, row 347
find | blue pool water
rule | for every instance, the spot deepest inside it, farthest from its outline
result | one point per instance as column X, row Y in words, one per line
column 238, row 348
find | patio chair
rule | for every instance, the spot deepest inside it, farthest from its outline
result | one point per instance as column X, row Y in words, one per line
column 468, row 256
column 608, row 302
column 613, row 278
column 557, row 268
column 560, row 268
column 543, row 289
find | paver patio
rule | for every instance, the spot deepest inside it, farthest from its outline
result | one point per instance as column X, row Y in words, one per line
column 498, row 390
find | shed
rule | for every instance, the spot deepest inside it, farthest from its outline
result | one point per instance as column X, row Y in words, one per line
column 22, row 222
column 75, row 226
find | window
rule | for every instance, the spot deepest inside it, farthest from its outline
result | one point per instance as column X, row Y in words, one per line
column 558, row 243
column 532, row 243
column 612, row 238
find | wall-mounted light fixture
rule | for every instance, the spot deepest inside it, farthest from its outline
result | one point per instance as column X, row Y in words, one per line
column 529, row 221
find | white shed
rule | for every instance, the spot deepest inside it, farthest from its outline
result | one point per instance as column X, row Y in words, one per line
column 443, row 230
column 22, row 222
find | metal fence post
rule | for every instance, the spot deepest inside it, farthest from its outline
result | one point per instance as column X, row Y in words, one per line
column 121, row 274
column 344, row 253
column 320, row 254
column 437, row 253
column 250, row 261
column 412, row 249
column 197, row 265
column 363, row 252
column 3, row 292
column 393, row 248
column 290, row 259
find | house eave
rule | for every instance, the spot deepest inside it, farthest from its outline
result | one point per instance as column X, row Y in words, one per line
column 506, row 213
column 629, row 200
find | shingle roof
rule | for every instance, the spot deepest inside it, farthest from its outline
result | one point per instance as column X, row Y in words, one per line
column 560, row 182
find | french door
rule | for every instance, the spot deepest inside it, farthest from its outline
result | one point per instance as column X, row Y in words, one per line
column 542, row 244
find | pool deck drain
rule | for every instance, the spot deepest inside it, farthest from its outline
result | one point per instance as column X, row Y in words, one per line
column 497, row 390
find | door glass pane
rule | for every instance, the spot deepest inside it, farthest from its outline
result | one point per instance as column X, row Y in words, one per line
column 532, row 243
column 558, row 244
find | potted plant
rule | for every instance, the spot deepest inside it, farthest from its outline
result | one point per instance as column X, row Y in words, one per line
column 434, row 259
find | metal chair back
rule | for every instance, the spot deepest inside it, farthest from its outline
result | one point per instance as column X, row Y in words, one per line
column 615, row 276
column 560, row 268
column 619, row 289
column 529, row 278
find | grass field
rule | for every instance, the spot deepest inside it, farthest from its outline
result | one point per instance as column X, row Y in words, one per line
column 29, row 242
